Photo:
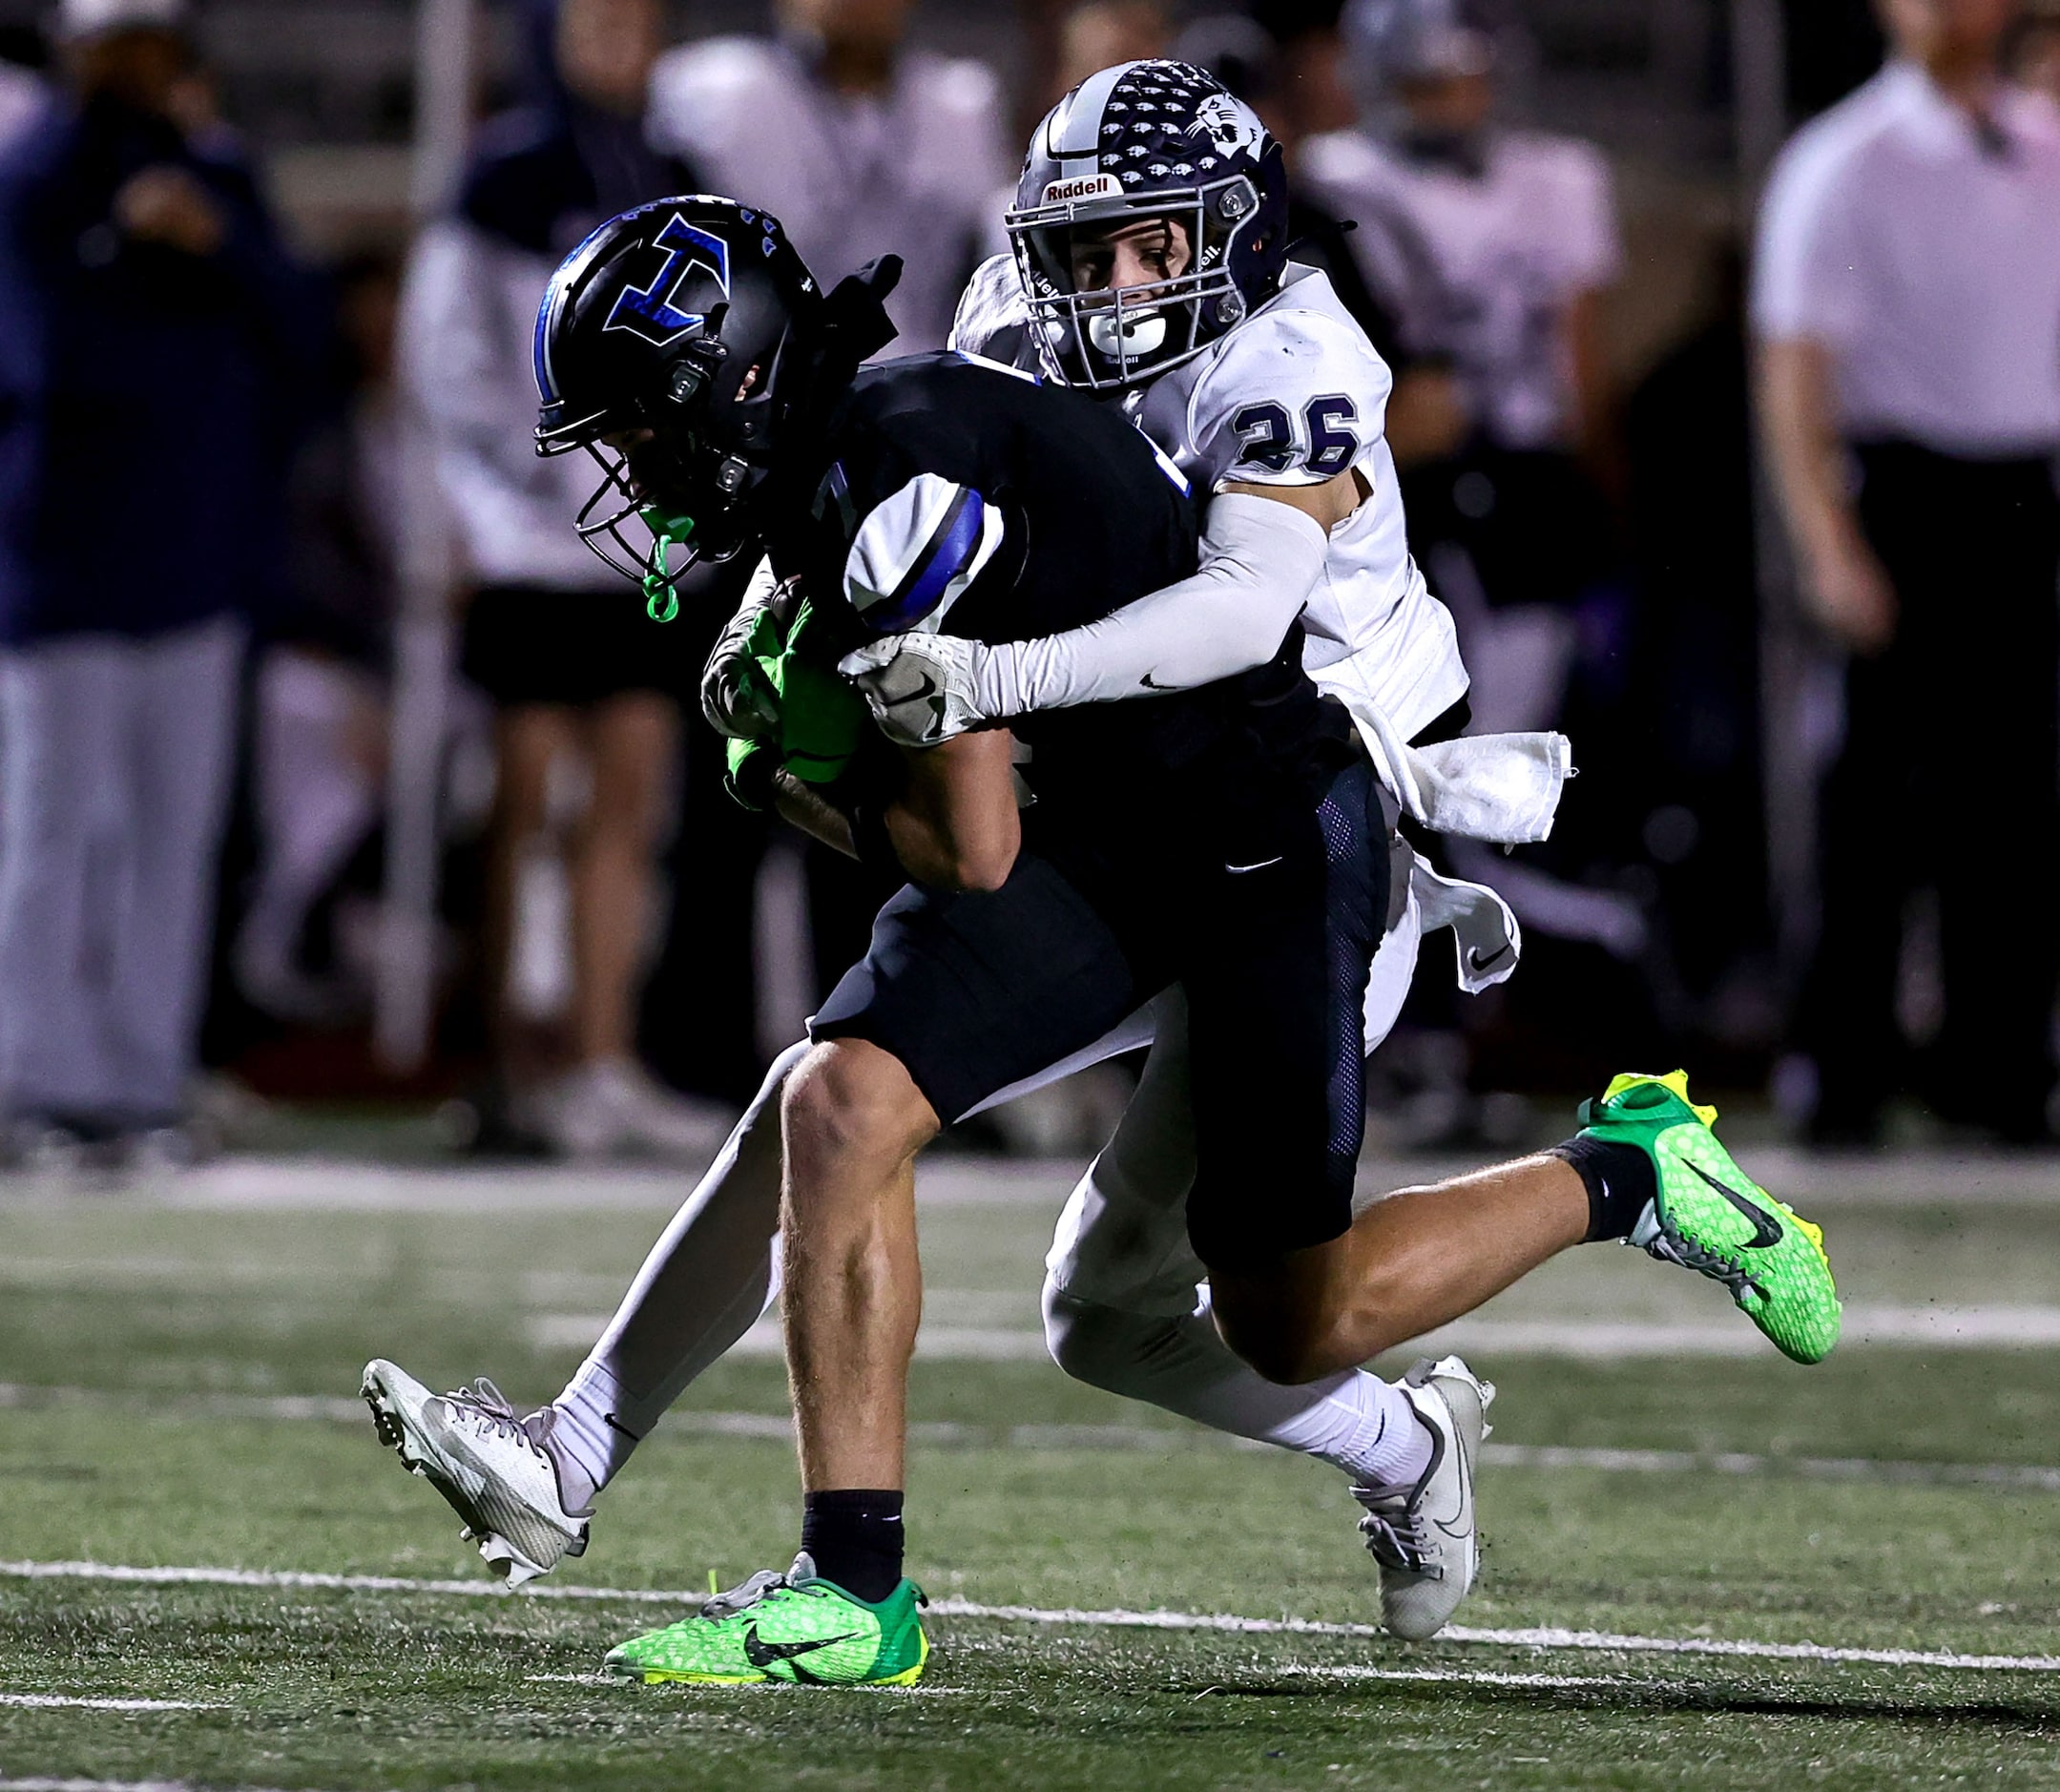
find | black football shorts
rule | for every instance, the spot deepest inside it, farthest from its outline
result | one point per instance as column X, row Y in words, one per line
column 1271, row 943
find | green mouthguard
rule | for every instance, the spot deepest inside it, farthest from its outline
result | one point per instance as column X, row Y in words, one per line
column 668, row 530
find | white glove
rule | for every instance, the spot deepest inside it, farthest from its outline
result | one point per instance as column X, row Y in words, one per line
column 920, row 688
column 735, row 696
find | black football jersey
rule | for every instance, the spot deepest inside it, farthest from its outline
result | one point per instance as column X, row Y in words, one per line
column 962, row 497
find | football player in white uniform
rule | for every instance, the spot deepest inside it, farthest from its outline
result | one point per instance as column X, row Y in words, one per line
column 1150, row 261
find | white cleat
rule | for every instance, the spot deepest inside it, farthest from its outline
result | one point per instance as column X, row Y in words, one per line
column 495, row 1471
column 1423, row 1535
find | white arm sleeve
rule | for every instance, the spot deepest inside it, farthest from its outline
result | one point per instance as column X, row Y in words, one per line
column 1260, row 559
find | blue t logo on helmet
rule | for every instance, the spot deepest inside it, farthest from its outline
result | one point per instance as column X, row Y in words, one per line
column 672, row 345
column 649, row 310
column 1147, row 141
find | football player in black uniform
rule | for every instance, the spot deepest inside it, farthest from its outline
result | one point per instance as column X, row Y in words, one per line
column 1228, row 839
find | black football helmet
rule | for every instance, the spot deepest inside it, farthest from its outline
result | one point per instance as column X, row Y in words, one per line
column 675, row 345
column 1147, row 139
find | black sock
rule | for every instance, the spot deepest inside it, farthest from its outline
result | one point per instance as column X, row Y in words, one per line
column 1619, row 1181
column 855, row 1537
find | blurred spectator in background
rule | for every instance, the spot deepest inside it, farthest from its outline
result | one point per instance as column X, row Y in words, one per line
column 22, row 92
column 861, row 146
column 1695, row 687
column 1089, row 37
column 1104, row 32
column 1254, row 65
column 587, row 687
column 2034, row 58
column 1906, row 303
column 1493, row 248
column 319, row 735
column 152, row 336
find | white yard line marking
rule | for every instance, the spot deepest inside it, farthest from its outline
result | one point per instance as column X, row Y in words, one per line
column 179, row 1403
column 322, row 1583
column 93, row 1785
column 1589, row 1340
column 103, row 1786
column 765, row 1341
column 1538, row 1638
column 776, row 1427
column 2018, row 1475
column 1455, row 1676
column 1940, row 1327
column 1533, row 1638
column 309, row 1184
column 1908, row 1179
column 66, row 1702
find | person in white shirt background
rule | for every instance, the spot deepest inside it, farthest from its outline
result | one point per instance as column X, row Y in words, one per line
column 586, row 689
column 1520, row 225
column 1494, row 246
column 860, row 145
column 1906, row 308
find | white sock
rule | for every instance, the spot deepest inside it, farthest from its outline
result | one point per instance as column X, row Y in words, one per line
column 706, row 1281
column 1384, row 1443
column 590, row 1444
column 1355, row 1422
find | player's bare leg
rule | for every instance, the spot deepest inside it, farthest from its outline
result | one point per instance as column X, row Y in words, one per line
column 852, row 1123
column 1646, row 1168
column 1415, row 1260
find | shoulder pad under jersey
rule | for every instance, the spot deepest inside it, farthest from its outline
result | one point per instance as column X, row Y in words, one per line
column 916, row 552
column 1295, row 396
column 993, row 320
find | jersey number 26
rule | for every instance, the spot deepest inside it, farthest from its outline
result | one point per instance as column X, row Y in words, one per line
column 1270, row 439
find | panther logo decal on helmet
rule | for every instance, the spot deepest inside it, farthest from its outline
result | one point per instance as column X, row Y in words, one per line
column 1230, row 126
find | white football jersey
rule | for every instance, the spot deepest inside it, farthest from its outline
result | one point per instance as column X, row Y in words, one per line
column 1294, row 395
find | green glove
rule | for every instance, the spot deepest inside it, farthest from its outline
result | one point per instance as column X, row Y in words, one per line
column 822, row 719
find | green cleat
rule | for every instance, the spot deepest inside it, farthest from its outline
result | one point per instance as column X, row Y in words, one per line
column 790, row 1627
column 1711, row 1218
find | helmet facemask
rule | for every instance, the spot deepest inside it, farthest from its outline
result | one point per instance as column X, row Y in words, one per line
column 1114, row 336
column 678, row 479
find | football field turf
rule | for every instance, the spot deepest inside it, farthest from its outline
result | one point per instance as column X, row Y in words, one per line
column 1705, row 1568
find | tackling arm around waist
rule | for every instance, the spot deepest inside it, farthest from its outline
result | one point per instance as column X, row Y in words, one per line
column 1263, row 553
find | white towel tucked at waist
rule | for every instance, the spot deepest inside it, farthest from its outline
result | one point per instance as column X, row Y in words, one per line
column 1500, row 787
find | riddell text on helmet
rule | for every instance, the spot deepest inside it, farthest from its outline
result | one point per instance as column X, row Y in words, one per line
column 1083, row 187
